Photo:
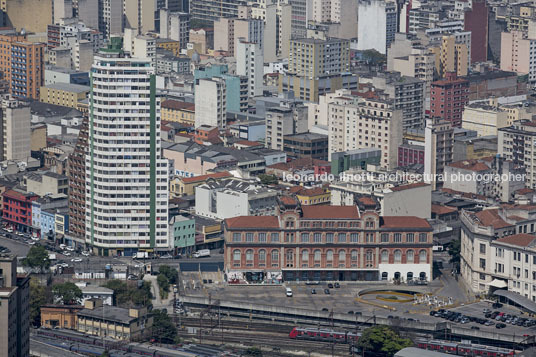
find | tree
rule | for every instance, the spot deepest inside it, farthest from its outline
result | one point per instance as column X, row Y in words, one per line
column 37, row 258
column 268, row 179
column 163, row 331
column 171, row 273
column 163, row 284
column 382, row 339
column 454, row 249
column 67, row 292
column 373, row 57
column 39, row 296
column 126, row 295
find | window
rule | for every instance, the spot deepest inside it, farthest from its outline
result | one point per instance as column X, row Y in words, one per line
column 305, row 258
column 317, row 237
column 422, row 256
column 249, row 257
column 385, row 256
column 329, row 237
column 482, row 263
column 354, row 237
column 410, row 238
column 410, row 256
column 341, row 238
column 482, row 276
column 318, row 256
column 290, row 258
column 274, row 237
column 398, row 256
column 369, row 238
column 482, row 248
column 236, row 258
column 423, row 238
column 369, row 259
column 329, row 258
column 275, row 258
column 397, row 238
column 342, row 258
column 353, row 257
column 237, row 237
column 385, row 237
column 249, row 237
column 262, row 257
column 305, row 237
column 262, row 237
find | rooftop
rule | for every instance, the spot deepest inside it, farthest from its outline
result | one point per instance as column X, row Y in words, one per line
column 202, row 178
column 330, row 212
column 252, row 222
column 68, row 87
column 520, row 240
column 110, row 313
column 404, row 222
column 178, row 105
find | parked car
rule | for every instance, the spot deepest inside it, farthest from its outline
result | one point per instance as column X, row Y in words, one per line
column 337, row 285
column 313, row 291
column 326, row 291
column 330, row 285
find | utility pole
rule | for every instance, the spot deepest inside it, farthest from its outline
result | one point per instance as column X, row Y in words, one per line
column 332, row 332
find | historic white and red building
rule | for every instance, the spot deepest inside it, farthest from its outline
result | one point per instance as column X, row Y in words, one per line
column 327, row 243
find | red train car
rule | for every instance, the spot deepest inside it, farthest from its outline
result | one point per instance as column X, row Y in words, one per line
column 323, row 335
column 463, row 349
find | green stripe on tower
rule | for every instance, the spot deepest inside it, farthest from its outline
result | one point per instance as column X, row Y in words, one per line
column 152, row 227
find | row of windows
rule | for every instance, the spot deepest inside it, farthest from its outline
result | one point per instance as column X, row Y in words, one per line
column 331, row 237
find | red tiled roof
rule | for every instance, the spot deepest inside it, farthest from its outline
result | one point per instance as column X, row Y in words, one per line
column 367, row 201
column 519, row 207
column 524, row 191
column 315, row 191
column 205, row 177
column 330, row 212
column 440, row 210
column 491, row 218
column 409, row 186
column 516, row 218
column 252, row 222
column 19, row 195
column 521, row 240
column 404, row 222
column 470, row 165
column 288, row 201
column 248, row 143
column 177, row 105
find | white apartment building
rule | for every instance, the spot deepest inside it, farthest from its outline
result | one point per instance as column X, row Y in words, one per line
column 126, row 177
column 139, row 46
column 249, row 63
column 367, row 123
column 498, row 249
column 15, row 130
column 380, row 15
column 517, row 143
column 284, row 120
column 210, row 102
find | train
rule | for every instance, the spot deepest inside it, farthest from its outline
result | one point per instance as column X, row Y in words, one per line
column 316, row 334
column 463, row 348
column 94, row 346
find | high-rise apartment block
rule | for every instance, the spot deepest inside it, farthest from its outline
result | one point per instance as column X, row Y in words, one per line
column 313, row 57
column 15, row 129
column 287, row 119
column 228, row 31
column 452, row 56
column 126, row 177
column 517, row 143
column 448, row 98
column 438, row 149
column 211, row 10
column 110, row 17
column 175, row 26
column 381, row 16
column 211, row 102
column 518, row 53
column 140, row 14
column 14, row 309
column 249, row 63
column 22, row 65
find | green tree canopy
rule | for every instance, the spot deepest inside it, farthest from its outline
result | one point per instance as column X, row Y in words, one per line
column 454, row 250
column 382, row 339
column 268, row 179
column 67, row 292
column 127, row 295
column 37, row 257
column 39, row 295
column 171, row 273
column 163, row 330
column 373, row 57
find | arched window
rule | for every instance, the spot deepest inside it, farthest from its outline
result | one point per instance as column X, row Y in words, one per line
column 398, row 256
column 318, row 255
column 290, row 258
column 385, row 256
column 342, row 258
column 329, row 255
column 236, row 257
column 410, row 256
column 262, row 257
column 305, row 258
column 249, row 255
column 422, row 256
column 275, row 258
column 369, row 259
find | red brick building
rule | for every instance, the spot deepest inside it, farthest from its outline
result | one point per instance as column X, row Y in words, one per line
column 327, row 243
column 17, row 210
column 448, row 98
column 476, row 21
column 410, row 155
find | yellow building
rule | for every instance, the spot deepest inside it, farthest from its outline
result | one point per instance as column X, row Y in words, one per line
column 38, row 137
column 64, row 94
column 184, row 186
column 170, row 45
column 451, row 56
column 62, row 316
column 115, row 322
column 179, row 112
column 314, row 196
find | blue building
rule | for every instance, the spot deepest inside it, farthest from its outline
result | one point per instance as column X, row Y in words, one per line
column 236, row 87
column 48, row 224
column 183, row 233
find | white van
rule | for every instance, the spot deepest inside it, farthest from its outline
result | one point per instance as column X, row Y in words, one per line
column 289, row 292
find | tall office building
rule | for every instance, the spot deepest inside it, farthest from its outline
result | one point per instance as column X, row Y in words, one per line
column 175, row 26
column 140, row 14
column 438, row 149
column 300, row 14
column 62, row 9
column 22, row 65
column 313, row 57
column 380, row 15
column 14, row 309
column 211, row 102
column 15, row 130
column 208, row 11
column 127, row 179
column 449, row 97
column 88, row 13
column 110, row 17
column 249, row 63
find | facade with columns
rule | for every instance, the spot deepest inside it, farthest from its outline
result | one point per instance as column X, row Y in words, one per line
column 327, row 243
